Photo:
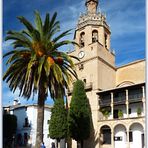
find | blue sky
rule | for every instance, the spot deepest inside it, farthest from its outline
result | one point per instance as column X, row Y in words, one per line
column 125, row 17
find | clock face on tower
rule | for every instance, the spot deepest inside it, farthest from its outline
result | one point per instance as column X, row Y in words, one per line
column 81, row 54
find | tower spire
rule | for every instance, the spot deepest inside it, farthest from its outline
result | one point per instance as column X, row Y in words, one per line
column 91, row 6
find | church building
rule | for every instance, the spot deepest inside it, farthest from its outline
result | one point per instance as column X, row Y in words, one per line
column 116, row 94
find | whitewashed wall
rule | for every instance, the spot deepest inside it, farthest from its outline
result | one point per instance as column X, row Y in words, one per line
column 137, row 130
column 120, row 131
column 31, row 112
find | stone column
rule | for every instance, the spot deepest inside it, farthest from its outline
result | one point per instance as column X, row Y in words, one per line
column 127, row 103
column 100, row 135
column 112, row 138
column 112, row 105
column 127, row 139
column 143, row 99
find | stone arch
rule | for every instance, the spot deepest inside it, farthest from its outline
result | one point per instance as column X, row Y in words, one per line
column 105, row 134
column 120, row 136
column 120, row 123
column 103, row 124
column 82, row 40
column 125, row 83
column 94, row 36
column 137, row 122
column 136, row 135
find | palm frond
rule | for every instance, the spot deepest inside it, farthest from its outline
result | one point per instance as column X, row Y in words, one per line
column 34, row 63
column 46, row 24
column 18, row 37
column 38, row 22
column 26, row 23
column 57, row 73
column 61, row 35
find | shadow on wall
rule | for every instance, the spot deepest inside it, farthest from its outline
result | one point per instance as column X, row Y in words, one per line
column 23, row 136
column 93, row 140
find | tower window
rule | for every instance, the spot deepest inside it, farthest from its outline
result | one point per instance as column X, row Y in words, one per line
column 106, row 40
column 94, row 36
column 84, row 80
column 82, row 39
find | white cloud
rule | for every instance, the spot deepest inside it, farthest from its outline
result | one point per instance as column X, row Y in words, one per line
column 124, row 17
column 6, row 45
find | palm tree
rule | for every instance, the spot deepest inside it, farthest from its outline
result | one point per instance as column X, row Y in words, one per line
column 36, row 66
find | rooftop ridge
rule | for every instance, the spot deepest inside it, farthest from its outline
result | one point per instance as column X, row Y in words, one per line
column 131, row 63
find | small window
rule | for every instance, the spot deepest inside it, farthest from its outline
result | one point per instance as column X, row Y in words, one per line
column 117, row 138
column 80, row 66
column 26, row 124
column 129, row 110
column 130, row 136
column 48, row 121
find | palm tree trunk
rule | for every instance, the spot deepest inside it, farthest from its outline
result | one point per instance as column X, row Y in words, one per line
column 81, row 143
column 69, row 142
column 40, row 117
column 57, row 143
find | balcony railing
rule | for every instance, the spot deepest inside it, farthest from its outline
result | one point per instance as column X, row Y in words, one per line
column 135, row 98
column 119, row 100
column 105, row 102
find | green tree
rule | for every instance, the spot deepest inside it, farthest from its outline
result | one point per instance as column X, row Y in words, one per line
column 36, row 66
column 58, row 121
column 79, row 118
column 9, row 131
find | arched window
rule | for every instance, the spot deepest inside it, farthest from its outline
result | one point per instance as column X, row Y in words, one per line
column 82, row 39
column 94, row 36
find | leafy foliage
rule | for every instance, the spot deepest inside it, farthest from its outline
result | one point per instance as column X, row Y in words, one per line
column 36, row 59
column 36, row 66
column 105, row 112
column 58, row 121
column 79, row 118
column 139, row 111
column 120, row 113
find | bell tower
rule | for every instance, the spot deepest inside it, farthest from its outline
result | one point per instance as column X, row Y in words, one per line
column 92, row 27
column 97, row 61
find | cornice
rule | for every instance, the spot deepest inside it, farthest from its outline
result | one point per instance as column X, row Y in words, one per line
column 96, row 57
